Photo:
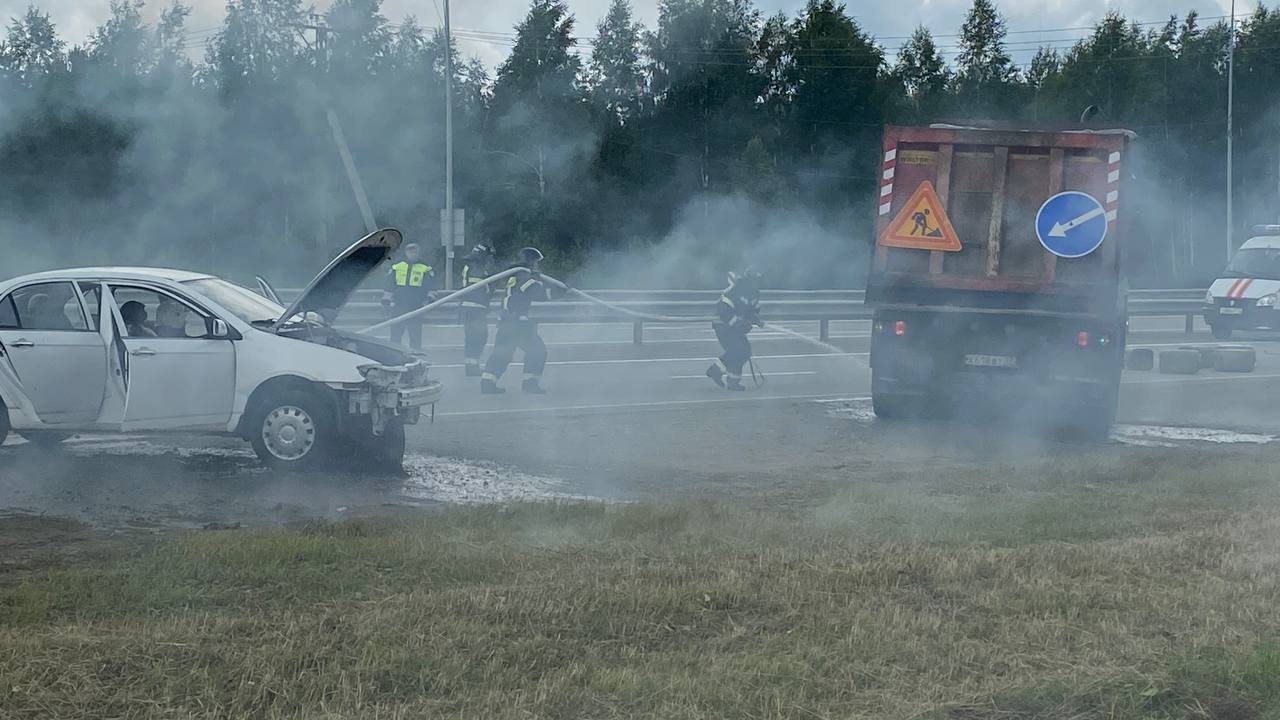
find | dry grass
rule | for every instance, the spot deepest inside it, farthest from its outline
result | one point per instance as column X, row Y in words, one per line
column 1090, row 591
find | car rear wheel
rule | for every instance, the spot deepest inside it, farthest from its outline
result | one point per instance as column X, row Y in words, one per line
column 44, row 439
column 4, row 423
column 292, row 430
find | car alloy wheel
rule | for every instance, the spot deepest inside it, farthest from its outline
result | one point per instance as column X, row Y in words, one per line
column 289, row 433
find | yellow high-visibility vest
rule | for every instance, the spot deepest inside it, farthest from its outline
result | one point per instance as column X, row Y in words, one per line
column 411, row 276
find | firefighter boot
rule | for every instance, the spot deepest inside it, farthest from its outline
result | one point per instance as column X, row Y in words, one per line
column 734, row 384
column 473, row 368
column 532, row 386
column 489, row 386
column 716, row 374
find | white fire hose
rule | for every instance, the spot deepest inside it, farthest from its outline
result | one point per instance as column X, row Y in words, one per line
column 454, row 296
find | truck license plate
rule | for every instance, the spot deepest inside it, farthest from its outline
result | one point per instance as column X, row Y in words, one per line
column 1230, row 311
column 993, row 361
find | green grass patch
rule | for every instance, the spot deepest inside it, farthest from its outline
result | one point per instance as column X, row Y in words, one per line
column 1041, row 591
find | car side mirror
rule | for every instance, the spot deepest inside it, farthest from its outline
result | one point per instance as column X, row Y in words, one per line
column 216, row 329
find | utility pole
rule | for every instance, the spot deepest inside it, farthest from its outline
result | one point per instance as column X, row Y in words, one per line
column 1231, row 87
column 448, row 148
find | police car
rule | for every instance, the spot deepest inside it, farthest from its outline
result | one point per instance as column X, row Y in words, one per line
column 1245, row 297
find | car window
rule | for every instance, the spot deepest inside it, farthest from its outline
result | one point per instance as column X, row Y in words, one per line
column 8, row 315
column 151, row 313
column 92, row 293
column 47, row 306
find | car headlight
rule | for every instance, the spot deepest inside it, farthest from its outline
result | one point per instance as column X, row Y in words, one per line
column 1208, row 298
column 377, row 374
column 1267, row 300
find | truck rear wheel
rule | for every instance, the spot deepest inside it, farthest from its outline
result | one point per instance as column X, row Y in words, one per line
column 894, row 406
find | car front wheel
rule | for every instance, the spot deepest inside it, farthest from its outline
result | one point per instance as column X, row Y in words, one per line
column 385, row 452
column 292, row 430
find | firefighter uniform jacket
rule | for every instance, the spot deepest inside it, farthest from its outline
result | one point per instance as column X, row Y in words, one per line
column 523, row 289
column 410, row 283
column 738, row 308
column 474, row 272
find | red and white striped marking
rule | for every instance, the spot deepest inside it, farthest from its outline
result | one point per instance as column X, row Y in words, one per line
column 1238, row 287
column 1113, row 186
column 886, row 179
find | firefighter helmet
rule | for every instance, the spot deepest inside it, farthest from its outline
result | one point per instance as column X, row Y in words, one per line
column 530, row 257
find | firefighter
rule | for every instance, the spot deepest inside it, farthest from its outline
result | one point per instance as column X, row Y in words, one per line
column 476, row 266
column 410, row 284
column 517, row 330
column 737, row 311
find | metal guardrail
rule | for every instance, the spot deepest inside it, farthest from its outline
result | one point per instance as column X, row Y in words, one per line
column 822, row 306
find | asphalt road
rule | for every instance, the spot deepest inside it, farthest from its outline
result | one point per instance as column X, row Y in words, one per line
column 627, row 422
column 597, row 369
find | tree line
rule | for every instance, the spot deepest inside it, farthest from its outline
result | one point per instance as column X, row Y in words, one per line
column 211, row 148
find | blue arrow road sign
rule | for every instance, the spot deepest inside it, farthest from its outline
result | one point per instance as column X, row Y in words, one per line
column 1071, row 224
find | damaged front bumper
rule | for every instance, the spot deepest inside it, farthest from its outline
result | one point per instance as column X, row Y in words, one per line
column 392, row 392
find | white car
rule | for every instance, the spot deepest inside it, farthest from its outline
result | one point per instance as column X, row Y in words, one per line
column 145, row 350
column 1247, row 296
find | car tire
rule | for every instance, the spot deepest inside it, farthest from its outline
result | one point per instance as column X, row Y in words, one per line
column 385, row 452
column 45, row 439
column 4, row 423
column 292, row 430
column 1221, row 331
column 1234, row 358
column 1141, row 359
column 1179, row 362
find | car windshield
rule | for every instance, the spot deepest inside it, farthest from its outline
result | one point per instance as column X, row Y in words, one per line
column 244, row 303
column 1261, row 263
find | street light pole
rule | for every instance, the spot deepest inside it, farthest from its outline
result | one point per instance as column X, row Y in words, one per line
column 1231, row 87
column 448, row 149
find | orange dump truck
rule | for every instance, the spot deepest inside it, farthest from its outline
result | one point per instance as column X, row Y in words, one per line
column 996, row 279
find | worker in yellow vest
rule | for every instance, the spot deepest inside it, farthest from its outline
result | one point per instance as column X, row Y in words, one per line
column 410, row 284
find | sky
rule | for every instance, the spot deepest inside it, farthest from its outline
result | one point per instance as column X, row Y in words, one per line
column 1030, row 22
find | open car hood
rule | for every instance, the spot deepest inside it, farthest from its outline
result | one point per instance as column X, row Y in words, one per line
column 331, row 289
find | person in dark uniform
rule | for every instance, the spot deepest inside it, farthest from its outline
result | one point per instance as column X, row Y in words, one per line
column 410, row 284
column 737, row 311
column 476, row 266
column 517, row 330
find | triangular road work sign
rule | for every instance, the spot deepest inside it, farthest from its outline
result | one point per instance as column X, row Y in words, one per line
column 922, row 224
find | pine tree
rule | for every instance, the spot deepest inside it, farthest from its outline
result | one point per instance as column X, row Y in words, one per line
column 923, row 73
column 1044, row 65
column 983, row 59
column 615, row 77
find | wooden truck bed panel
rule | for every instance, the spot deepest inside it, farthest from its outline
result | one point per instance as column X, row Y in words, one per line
column 991, row 184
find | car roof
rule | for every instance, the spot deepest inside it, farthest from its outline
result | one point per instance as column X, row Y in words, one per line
column 1264, row 241
column 123, row 273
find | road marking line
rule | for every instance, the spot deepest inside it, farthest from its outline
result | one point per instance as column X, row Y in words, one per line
column 1194, row 379
column 767, row 375
column 620, row 406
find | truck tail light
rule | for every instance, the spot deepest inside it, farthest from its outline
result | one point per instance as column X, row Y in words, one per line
column 1082, row 339
column 900, row 328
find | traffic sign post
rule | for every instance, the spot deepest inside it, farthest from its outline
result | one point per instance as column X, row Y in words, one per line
column 1071, row 224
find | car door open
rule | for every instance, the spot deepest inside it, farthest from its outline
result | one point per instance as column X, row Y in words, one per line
column 177, row 374
column 59, row 360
